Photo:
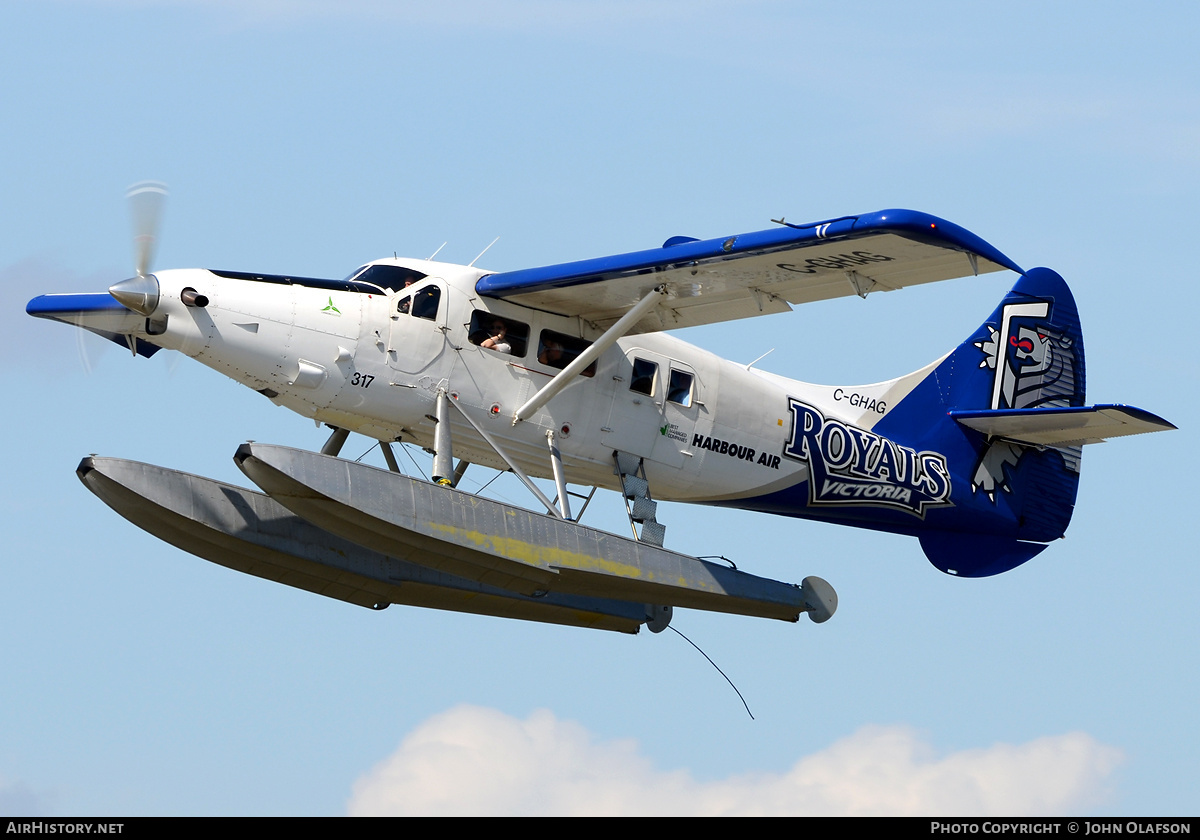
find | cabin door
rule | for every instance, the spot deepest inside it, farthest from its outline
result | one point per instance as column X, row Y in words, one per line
column 652, row 409
column 418, row 326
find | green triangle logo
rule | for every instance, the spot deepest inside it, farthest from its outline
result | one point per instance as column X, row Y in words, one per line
column 331, row 309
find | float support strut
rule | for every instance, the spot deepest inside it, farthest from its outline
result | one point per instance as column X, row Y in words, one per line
column 334, row 445
column 560, row 483
column 443, row 457
column 389, row 456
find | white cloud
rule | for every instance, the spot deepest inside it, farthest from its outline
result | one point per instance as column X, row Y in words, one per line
column 472, row 760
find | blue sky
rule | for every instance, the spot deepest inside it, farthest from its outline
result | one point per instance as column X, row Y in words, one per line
column 310, row 137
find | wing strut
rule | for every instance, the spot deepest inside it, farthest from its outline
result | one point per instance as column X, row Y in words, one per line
column 564, row 377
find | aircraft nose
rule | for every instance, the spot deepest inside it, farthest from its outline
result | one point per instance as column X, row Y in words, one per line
column 139, row 294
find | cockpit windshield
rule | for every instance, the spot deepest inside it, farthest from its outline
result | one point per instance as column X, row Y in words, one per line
column 392, row 277
column 353, row 274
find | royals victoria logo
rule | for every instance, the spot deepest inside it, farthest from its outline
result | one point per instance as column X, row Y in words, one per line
column 1034, row 365
column 852, row 466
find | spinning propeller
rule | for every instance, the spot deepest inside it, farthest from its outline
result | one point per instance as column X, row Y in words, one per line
column 140, row 293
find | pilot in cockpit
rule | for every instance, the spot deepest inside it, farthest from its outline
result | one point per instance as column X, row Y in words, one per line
column 407, row 302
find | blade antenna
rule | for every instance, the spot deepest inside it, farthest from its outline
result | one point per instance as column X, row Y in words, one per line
column 484, row 251
column 760, row 358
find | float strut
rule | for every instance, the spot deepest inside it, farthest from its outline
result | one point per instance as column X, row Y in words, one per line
column 459, row 469
column 334, row 445
column 560, row 484
column 389, row 456
column 443, row 452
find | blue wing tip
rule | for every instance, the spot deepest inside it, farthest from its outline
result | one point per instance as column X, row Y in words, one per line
column 51, row 306
column 935, row 227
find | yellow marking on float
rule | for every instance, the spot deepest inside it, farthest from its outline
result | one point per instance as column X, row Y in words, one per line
column 541, row 556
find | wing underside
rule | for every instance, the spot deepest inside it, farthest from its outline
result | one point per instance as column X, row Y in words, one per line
column 758, row 273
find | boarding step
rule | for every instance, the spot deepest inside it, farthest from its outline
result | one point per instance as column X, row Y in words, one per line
column 642, row 509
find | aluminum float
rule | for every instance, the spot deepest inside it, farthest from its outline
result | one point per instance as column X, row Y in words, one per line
column 248, row 532
column 510, row 548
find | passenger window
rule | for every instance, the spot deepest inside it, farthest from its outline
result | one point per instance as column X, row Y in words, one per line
column 503, row 335
column 643, row 377
column 558, row 350
column 680, row 388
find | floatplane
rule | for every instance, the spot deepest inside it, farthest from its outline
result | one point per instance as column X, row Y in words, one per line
column 569, row 373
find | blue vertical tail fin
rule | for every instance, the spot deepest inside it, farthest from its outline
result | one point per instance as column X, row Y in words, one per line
column 1010, row 496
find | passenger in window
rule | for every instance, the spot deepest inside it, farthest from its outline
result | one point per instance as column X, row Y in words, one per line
column 552, row 354
column 557, row 350
column 497, row 338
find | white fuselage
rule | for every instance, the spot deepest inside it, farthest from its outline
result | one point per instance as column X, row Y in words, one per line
column 708, row 429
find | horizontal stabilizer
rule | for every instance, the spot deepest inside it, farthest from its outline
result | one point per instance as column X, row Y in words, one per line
column 1062, row 426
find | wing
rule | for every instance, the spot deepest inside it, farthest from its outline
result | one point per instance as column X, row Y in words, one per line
column 756, row 273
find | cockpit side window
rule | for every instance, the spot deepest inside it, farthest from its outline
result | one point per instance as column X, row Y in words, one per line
column 425, row 303
column 422, row 303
